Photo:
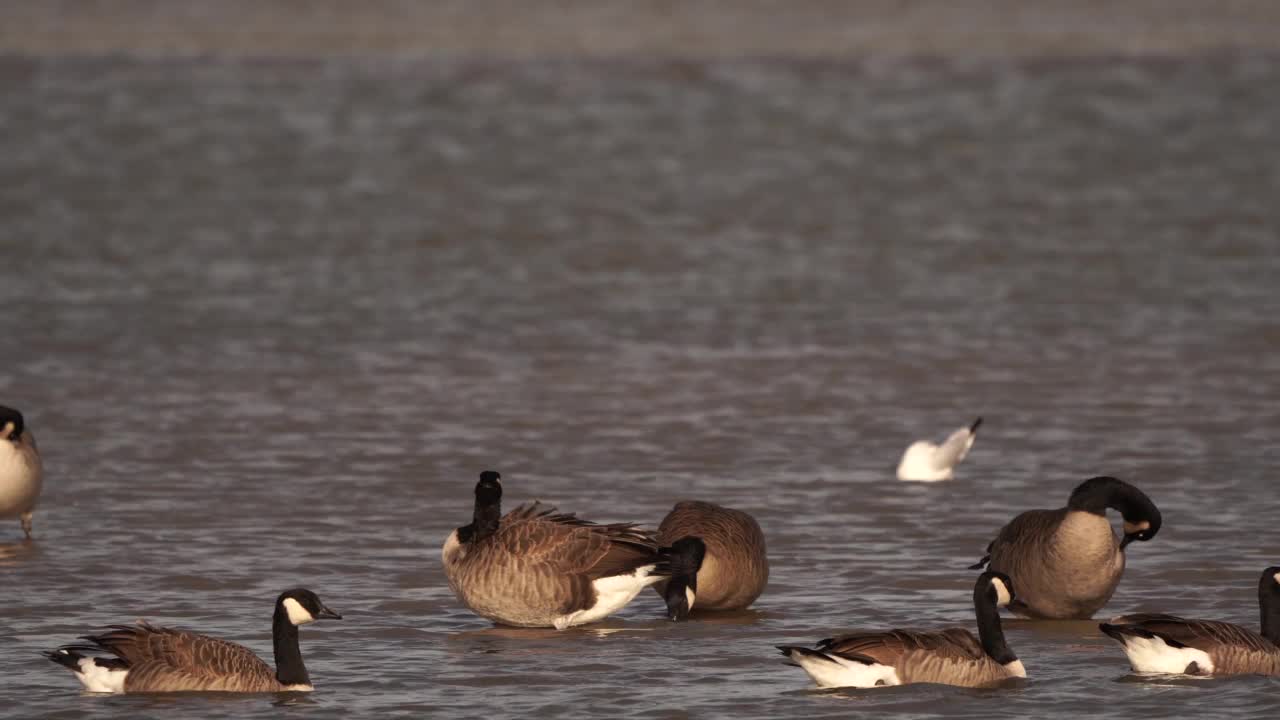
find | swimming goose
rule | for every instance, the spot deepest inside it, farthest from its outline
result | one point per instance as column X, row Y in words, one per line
column 1067, row 562
column 21, row 474
column 734, row 570
column 144, row 658
column 899, row 657
column 539, row 568
column 1169, row 644
column 925, row 462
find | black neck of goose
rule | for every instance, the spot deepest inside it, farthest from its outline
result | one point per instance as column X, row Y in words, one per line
column 989, row 631
column 1098, row 494
column 1269, row 603
column 484, row 521
column 284, row 636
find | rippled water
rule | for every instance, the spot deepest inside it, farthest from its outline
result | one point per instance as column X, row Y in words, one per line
column 269, row 319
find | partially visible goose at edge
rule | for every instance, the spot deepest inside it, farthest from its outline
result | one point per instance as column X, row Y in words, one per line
column 1067, row 562
column 143, row 658
column 1169, row 644
column 734, row 570
column 899, row 657
column 925, row 462
column 21, row 473
column 539, row 568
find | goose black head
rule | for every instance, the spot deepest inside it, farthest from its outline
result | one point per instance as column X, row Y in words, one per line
column 11, row 424
column 489, row 489
column 1270, row 582
column 997, row 586
column 302, row 606
column 1142, row 518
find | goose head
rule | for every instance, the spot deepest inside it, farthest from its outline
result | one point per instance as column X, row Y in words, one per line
column 301, row 606
column 11, row 424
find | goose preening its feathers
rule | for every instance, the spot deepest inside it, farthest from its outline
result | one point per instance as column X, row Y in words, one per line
column 1068, row 562
column 536, row 567
column 925, row 462
column 21, row 473
column 1158, row 643
column 898, row 657
column 734, row 570
column 143, row 658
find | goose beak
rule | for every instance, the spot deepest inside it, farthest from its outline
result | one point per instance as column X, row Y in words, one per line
column 327, row 614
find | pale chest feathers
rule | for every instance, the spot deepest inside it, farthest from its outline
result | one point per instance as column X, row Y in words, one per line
column 1088, row 555
column 20, row 478
column 1088, row 537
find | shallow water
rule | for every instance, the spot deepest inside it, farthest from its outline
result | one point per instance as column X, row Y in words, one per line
column 269, row 319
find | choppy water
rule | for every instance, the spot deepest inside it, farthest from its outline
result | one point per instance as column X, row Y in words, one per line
column 269, row 320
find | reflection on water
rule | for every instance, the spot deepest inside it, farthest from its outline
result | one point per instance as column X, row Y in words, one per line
column 269, row 319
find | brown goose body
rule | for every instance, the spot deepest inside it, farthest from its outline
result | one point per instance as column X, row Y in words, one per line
column 21, row 471
column 144, row 658
column 1068, row 562
column 166, row 660
column 1170, row 644
column 951, row 657
column 541, row 568
column 735, row 568
column 899, row 657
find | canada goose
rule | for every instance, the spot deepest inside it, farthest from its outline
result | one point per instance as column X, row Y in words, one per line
column 21, row 474
column 1169, row 644
column 898, row 657
column 539, row 568
column 734, row 570
column 925, row 462
column 145, row 658
column 1067, row 562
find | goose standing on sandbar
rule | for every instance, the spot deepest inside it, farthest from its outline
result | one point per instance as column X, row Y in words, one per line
column 21, row 473
column 539, row 568
column 899, row 657
column 734, row 570
column 1068, row 562
column 1158, row 643
column 144, row 658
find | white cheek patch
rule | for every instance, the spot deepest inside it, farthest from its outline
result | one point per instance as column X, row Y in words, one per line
column 1278, row 578
column 689, row 597
column 1016, row 669
column 298, row 615
column 1003, row 597
column 1131, row 528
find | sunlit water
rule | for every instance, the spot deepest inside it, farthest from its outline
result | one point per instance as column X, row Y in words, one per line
column 269, row 320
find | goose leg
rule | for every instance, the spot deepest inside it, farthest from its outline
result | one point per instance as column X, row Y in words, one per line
column 26, row 524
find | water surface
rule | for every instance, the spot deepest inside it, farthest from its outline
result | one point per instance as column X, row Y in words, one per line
column 269, row 319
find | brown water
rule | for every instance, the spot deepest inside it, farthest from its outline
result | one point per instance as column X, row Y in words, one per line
column 269, row 319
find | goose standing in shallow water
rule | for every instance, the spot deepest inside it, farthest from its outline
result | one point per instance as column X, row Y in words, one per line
column 734, row 570
column 1158, row 643
column 925, row 462
column 148, row 659
column 21, row 473
column 899, row 657
column 539, row 568
column 1067, row 562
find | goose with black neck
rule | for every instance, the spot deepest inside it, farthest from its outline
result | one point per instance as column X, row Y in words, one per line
column 1068, row 562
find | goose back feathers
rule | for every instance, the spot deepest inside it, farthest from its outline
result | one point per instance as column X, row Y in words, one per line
column 1170, row 644
column 735, row 568
column 1068, row 562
